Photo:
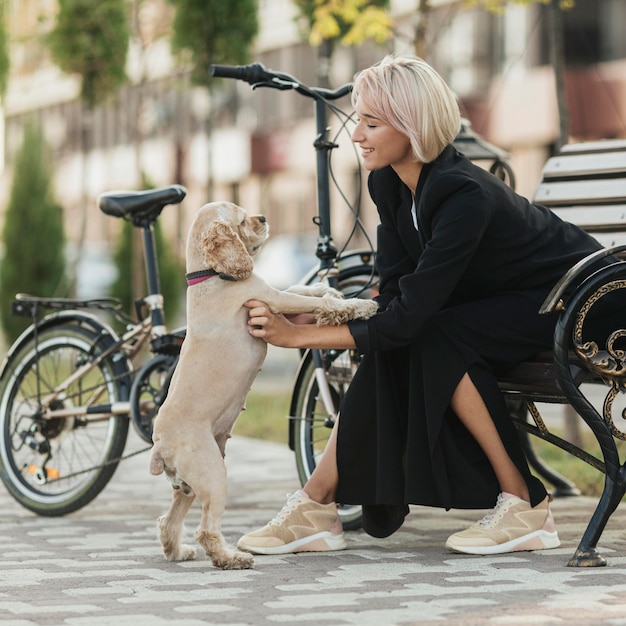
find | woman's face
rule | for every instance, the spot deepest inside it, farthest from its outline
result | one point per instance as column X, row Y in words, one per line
column 380, row 143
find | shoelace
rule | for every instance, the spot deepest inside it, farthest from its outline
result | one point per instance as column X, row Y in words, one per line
column 290, row 505
column 490, row 518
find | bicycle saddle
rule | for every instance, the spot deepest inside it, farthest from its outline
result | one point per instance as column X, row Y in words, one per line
column 140, row 205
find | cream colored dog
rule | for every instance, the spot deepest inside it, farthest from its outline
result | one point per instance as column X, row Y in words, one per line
column 218, row 362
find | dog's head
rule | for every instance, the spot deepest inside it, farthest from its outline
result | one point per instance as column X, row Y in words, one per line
column 224, row 238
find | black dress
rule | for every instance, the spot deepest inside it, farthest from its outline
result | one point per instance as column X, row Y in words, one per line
column 460, row 293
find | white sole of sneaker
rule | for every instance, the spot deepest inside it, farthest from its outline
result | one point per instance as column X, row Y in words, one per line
column 320, row 542
column 537, row 540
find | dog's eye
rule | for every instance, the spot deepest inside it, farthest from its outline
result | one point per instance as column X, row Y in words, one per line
column 243, row 221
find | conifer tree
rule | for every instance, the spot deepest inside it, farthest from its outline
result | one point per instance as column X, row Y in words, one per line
column 33, row 235
column 214, row 31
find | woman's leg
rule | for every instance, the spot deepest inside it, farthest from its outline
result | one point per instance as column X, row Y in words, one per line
column 513, row 524
column 322, row 484
column 309, row 521
column 470, row 408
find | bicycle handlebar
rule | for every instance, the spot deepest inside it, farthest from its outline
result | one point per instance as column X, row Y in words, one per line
column 257, row 75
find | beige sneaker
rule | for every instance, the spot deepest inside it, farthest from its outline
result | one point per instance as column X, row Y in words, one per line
column 303, row 525
column 511, row 526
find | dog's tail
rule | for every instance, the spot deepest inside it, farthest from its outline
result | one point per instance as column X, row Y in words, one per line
column 157, row 465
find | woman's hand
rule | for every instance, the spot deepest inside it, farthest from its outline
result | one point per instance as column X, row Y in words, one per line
column 274, row 329
column 294, row 331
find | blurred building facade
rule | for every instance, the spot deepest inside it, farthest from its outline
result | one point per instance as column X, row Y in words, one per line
column 256, row 147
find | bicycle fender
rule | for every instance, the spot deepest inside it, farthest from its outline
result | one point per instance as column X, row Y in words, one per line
column 57, row 319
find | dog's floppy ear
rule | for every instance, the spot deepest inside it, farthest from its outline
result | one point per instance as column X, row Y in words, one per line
column 224, row 251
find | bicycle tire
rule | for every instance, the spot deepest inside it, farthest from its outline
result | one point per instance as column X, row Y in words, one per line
column 310, row 423
column 83, row 455
column 148, row 393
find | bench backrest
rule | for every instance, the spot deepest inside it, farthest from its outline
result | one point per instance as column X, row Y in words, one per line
column 586, row 184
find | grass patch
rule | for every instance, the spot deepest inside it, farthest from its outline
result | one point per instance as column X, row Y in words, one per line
column 588, row 479
column 266, row 413
column 265, row 417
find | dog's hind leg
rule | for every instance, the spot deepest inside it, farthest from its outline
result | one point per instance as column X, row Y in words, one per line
column 171, row 527
column 211, row 491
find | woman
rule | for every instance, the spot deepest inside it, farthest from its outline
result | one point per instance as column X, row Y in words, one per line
column 464, row 266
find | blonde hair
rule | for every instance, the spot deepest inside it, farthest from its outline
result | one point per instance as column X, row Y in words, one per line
column 409, row 95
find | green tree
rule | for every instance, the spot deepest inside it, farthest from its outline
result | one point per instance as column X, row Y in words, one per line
column 90, row 40
column 33, row 233
column 213, row 31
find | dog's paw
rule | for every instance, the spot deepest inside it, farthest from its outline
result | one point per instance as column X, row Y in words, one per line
column 333, row 313
column 316, row 290
column 186, row 553
column 364, row 309
column 234, row 560
column 180, row 553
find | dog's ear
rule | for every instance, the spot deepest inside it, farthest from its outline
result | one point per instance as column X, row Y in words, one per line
column 224, row 251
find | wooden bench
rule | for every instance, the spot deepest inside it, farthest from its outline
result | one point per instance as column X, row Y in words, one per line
column 584, row 184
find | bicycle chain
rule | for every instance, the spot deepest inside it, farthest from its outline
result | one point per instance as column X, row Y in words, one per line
column 96, row 467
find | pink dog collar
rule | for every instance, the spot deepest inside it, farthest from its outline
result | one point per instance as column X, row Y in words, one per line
column 197, row 277
column 193, row 281
column 201, row 275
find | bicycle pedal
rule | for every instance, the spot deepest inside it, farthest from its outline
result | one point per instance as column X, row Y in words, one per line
column 43, row 474
column 167, row 344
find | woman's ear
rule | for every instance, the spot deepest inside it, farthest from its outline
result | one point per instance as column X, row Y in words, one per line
column 224, row 251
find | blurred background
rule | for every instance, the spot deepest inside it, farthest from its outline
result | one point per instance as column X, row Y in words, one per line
column 116, row 94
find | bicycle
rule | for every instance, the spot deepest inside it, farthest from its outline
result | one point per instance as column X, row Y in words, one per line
column 69, row 386
column 323, row 375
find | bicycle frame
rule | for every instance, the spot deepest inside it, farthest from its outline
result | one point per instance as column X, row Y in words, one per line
column 258, row 76
column 129, row 345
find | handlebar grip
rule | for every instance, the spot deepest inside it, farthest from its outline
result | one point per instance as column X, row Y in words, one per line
column 252, row 74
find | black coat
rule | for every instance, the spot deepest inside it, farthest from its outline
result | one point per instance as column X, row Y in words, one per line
column 458, row 294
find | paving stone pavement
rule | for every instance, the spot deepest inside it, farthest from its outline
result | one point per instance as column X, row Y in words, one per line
column 102, row 566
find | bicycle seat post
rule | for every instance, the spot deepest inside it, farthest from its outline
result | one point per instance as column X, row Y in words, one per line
column 154, row 299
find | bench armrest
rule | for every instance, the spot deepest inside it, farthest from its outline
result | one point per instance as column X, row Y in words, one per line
column 553, row 301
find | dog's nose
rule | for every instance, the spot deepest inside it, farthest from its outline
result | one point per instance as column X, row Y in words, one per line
column 262, row 219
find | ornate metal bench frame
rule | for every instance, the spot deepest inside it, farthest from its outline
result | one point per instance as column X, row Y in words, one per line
column 585, row 184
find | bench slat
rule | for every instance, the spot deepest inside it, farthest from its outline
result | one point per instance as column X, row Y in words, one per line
column 575, row 192
column 594, row 218
column 595, row 164
column 608, row 240
column 603, row 145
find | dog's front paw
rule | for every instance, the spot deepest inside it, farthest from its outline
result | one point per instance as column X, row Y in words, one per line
column 333, row 312
column 316, row 290
column 364, row 309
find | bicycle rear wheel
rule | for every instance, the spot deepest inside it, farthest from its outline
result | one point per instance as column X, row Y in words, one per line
column 310, row 420
column 56, row 466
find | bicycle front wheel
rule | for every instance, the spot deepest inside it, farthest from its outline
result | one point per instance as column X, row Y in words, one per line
column 313, row 423
column 54, row 466
column 319, row 391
